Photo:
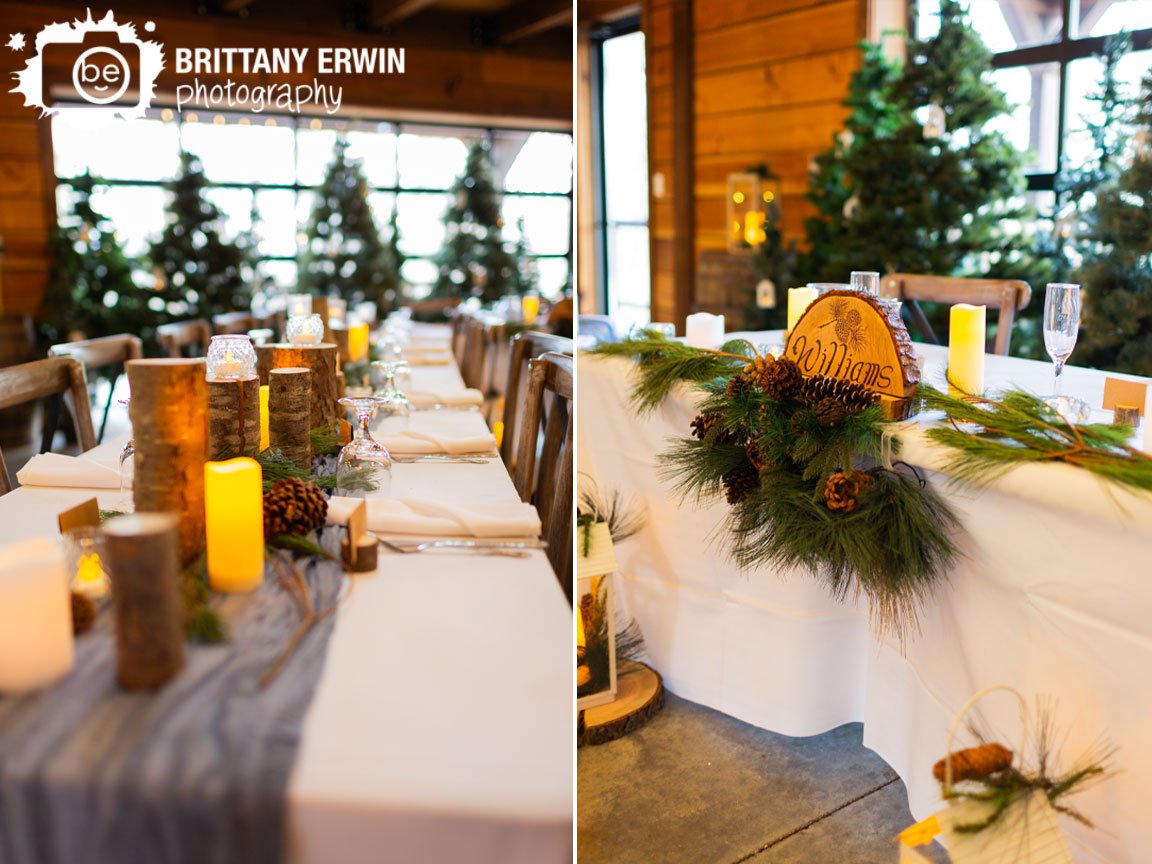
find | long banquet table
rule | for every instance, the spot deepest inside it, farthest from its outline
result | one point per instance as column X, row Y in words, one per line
column 1053, row 597
column 440, row 729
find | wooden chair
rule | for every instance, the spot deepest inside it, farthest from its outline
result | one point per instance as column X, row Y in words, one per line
column 546, row 479
column 40, row 379
column 525, row 346
column 175, row 337
column 1009, row 295
column 233, row 323
column 106, row 352
column 459, row 332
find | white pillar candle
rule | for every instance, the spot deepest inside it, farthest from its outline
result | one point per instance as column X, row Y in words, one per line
column 799, row 299
column 703, row 330
column 966, row 335
column 35, row 616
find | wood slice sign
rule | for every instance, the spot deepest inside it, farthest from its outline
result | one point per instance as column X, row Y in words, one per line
column 855, row 337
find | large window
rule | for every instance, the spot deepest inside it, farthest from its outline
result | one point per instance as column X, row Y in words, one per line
column 266, row 166
column 621, row 137
column 1046, row 63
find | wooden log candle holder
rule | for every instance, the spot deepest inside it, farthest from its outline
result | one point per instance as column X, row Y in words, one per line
column 289, row 414
column 143, row 558
column 322, row 360
column 169, row 413
column 233, row 418
column 340, row 339
column 265, row 357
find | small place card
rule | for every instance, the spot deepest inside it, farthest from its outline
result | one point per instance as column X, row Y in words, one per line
column 359, row 547
column 1120, row 392
column 84, row 515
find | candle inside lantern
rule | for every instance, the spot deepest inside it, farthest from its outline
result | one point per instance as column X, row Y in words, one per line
column 36, row 646
column 966, row 335
column 264, row 391
column 305, row 329
column 358, row 342
column 234, row 522
column 799, row 299
column 754, row 233
column 337, row 310
column 529, row 309
column 702, row 330
column 299, row 304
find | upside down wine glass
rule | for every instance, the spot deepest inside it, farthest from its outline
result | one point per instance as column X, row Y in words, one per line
column 393, row 406
column 364, row 466
column 1061, row 327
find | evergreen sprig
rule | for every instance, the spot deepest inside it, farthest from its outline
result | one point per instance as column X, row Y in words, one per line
column 1019, row 428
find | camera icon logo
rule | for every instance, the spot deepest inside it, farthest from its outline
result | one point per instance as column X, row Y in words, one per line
column 100, row 63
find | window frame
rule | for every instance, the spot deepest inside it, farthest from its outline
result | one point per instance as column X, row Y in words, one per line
column 298, row 122
column 1063, row 52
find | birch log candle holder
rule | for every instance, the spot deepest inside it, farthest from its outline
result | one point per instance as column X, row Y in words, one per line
column 169, row 413
column 143, row 554
column 234, row 418
column 265, row 357
column 322, row 361
column 289, row 414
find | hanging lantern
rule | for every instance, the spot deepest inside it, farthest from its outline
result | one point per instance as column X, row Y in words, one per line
column 748, row 200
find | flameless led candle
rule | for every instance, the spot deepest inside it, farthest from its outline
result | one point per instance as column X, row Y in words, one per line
column 234, row 521
column 358, row 342
column 754, row 233
column 966, row 335
column 264, row 417
column 35, row 616
column 529, row 309
column 799, row 299
column 299, row 305
column 702, row 330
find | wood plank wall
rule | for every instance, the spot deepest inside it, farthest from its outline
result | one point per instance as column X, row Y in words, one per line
column 767, row 79
column 471, row 86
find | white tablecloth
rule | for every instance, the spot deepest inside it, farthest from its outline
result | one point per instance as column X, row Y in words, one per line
column 1054, row 597
column 441, row 728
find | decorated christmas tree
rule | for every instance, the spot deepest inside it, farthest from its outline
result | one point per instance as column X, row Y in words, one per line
column 346, row 253
column 198, row 273
column 1117, row 271
column 474, row 261
column 92, row 292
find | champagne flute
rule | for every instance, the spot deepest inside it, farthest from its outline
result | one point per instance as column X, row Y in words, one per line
column 1061, row 327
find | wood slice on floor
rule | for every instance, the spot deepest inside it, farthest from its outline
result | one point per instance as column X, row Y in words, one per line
column 639, row 697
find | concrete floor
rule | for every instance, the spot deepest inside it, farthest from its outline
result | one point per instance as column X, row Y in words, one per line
column 695, row 786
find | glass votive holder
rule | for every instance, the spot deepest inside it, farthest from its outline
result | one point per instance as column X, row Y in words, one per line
column 84, row 558
column 337, row 309
column 865, row 281
column 667, row 330
column 231, row 356
column 305, row 329
column 299, row 304
column 367, row 312
column 825, row 287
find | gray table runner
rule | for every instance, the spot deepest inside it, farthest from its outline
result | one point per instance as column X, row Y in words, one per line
column 195, row 773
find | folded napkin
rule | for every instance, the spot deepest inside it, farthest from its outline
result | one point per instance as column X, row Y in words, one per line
column 429, row 519
column 421, row 442
column 451, row 399
column 428, row 356
column 56, row 469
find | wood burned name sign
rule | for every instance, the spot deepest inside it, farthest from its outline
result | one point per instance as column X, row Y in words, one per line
column 854, row 337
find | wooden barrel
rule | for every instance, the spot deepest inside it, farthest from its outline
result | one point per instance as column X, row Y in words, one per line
column 17, row 342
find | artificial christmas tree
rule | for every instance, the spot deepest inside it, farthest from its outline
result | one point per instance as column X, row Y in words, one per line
column 346, row 254
column 198, row 273
column 474, row 261
column 1117, row 271
column 92, row 292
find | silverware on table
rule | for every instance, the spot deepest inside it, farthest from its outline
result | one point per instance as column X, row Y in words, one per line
column 473, row 458
column 508, row 548
column 443, row 406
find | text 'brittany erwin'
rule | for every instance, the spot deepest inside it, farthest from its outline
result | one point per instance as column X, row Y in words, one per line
column 289, row 61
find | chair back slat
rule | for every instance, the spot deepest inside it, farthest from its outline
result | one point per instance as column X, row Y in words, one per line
column 233, row 323
column 41, row 379
column 1008, row 295
column 525, row 346
column 99, row 354
column 175, row 337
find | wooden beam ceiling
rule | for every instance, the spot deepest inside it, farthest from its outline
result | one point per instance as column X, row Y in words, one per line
column 389, row 13
column 532, row 17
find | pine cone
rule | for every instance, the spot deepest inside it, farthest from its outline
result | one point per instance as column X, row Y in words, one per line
column 738, row 385
column 852, row 396
column 758, row 369
column 831, row 412
column 782, row 380
column 83, row 612
column 755, row 456
column 843, row 490
column 739, row 484
column 702, row 423
column 292, row 506
column 975, row 763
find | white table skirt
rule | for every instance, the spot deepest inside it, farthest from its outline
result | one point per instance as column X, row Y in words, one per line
column 1052, row 598
column 441, row 728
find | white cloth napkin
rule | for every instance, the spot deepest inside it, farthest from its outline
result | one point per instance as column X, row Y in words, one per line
column 430, row 356
column 56, row 469
column 421, row 442
column 430, row 519
column 452, row 399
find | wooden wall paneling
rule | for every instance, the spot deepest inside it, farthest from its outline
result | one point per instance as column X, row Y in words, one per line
column 683, row 154
column 798, row 33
